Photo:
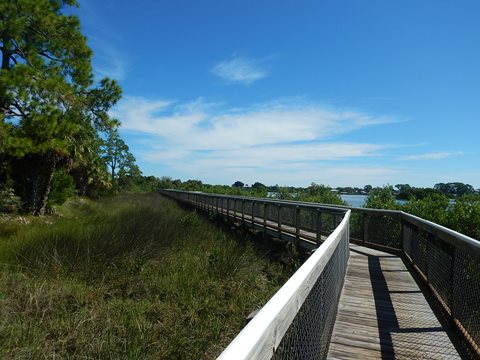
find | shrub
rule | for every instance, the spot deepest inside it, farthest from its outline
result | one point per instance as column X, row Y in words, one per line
column 464, row 216
column 321, row 194
column 9, row 202
column 381, row 198
column 191, row 219
column 63, row 187
column 433, row 207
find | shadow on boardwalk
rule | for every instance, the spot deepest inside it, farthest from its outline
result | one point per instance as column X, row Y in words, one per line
column 384, row 315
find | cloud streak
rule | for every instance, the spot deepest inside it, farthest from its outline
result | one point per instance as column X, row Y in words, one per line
column 280, row 137
column 202, row 126
column 108, row 61
column 240, row 70
column 439, row 155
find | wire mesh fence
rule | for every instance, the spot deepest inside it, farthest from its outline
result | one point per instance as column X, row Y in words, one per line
column 452, row 273
column 288, row 215
column 308, row 337
column 448, row 263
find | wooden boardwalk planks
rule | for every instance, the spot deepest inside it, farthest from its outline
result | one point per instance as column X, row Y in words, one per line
column 383, row 314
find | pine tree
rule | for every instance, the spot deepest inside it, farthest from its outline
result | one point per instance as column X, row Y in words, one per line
column 47, row 103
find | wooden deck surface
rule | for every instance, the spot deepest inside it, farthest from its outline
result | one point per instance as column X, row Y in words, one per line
column 382, row 313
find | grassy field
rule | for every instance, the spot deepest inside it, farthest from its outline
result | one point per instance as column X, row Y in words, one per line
column 134, row 277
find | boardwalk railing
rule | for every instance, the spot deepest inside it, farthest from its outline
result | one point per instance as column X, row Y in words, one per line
column 297, row 322
column 447, row 262
column 305, row 224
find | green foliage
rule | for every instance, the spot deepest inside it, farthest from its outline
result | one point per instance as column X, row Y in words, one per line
column 123, row 278
column 63, row 188
column 407, row 192
column 9, row 202
column 192, row 185
column 259, row 190
column 433, row 207
column 464, row 216
column 381, row 198
column 120, row 161
column 191, row 219
column 258, row 186
column 238, row 184
column 454, row 189
column 49, row 108
column 321, row 194
column 284, row 193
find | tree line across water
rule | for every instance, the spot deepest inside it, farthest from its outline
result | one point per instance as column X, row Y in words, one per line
column 454, row 205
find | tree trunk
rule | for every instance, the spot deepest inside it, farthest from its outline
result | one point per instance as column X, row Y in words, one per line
column 5, row 66
column 41, row 183
column 3, row 106
column 80, row 177
column 114, row 184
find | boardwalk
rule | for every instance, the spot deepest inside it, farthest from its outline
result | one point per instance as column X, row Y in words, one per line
column 383, row 314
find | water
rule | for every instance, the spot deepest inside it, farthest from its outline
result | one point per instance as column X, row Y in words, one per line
column 354, row 200
column 351, row 200
column 360, row 200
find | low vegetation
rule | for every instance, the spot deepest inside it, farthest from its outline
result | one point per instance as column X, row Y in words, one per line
column 134, row 276
column 454, row 205
column 462, row 215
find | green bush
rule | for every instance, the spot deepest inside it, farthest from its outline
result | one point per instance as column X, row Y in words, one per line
column 464, row 216
column 434, row 207
column 9, row 202
column 321, row 194
column 63, row 187
column 382, row 198
column 191, row 219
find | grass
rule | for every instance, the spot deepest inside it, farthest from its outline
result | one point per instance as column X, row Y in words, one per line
column 134, row 277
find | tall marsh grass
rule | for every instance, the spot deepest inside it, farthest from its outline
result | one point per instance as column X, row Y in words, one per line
column 134, row 277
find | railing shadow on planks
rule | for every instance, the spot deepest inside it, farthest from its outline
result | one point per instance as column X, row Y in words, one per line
column 297, row 322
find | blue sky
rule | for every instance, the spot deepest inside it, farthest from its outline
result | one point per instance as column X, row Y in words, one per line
column 292, row 92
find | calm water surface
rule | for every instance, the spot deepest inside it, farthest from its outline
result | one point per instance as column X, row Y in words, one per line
column 360, row 200
column 354, row 200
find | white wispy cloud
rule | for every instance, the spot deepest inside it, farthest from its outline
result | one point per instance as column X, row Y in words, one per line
column 240, row 70
column 198, row 138
column 105, row 41
column 198, row 125
column 108, row 61
column 438, row 155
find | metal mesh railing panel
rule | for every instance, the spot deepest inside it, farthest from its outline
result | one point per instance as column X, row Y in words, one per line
column 356, row 226
column 466, row 293
column 419, row 251
column 384, row 230
column 328, row 223
column 287, row 215
column 439, row 269
column 231, row 206
column 247, row 207
column 453, row 276
column 308, row 219
column 258, row 209
column 238, row 206
column 407, row 239
column 308, row 337
column 450, row 271
column 211, row 201
column 272, row 212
